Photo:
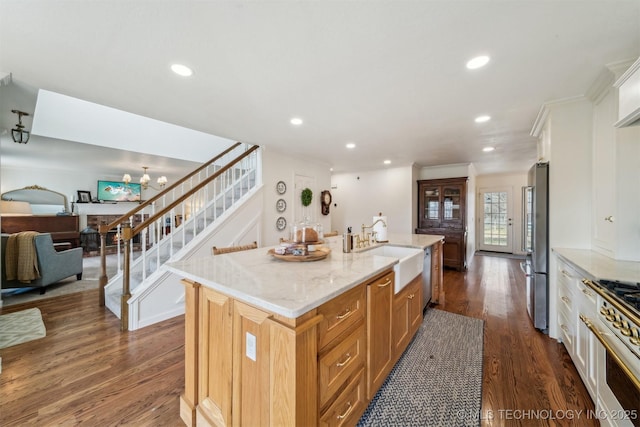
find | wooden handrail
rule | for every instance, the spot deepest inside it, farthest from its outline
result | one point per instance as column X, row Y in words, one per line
column 128, row 233
column 104, row 228
column 145, row 223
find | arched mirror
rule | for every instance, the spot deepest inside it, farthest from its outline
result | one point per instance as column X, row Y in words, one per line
column 41, row 201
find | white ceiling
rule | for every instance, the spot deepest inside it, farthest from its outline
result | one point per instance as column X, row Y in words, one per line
column 387, row 75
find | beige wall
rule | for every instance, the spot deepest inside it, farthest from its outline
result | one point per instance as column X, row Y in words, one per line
column 360, row 196
column 278, row 166
column 513, row 182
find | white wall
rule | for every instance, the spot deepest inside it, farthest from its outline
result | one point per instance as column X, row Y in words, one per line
column 514, row 182
column 358, row 197
column 446, row 171
column 278, row 166
column 65, row 180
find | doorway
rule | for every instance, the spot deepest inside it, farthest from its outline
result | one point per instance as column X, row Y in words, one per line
column 496, row 220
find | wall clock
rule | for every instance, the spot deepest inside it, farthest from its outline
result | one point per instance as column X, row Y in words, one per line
column 281, row 187
column 281, row 205
column 281, row 223
column 325, row 200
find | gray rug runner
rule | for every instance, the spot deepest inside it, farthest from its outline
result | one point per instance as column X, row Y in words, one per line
column 438, row 379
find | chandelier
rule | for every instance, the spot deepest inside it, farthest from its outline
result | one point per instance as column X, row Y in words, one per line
column 20, row 135
column 145, row 179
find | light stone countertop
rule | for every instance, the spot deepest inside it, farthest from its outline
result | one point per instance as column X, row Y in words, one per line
column 601, row 267
column 291, row 288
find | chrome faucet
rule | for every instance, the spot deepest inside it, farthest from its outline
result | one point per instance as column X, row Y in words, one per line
column 365, row 239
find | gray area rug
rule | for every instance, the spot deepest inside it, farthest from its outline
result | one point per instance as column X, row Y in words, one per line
column 20, row 327
column 90, row 281
column 438, row 379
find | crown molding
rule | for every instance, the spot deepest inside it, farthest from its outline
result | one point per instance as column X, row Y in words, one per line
column 630, row 69
column 540, row 120
column 600, row 85
column 546, row 108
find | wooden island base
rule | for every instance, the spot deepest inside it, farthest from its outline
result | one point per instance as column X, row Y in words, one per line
column 247, row 366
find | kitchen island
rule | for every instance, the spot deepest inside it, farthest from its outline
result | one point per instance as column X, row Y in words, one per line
column 270, row 342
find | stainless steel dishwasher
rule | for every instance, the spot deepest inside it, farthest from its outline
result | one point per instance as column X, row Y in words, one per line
column 426, row 278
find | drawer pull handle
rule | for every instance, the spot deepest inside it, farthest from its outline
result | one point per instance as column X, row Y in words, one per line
column 565, row 299
column 343, row 416
column 387, row 283
column 564, row 328
column 566, row 273
column 587, row 293
column 344, row 314
column 341, row 364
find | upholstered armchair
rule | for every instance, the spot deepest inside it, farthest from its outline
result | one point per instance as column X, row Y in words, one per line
column 52, row 265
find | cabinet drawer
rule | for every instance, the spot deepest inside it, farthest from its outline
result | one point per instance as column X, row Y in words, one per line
column 382, row 281
column 565, row 300
column 566, row 332
column 567, row 275
column 339, row 364
column 349, row 406
column 588, row 296
column 340, row 314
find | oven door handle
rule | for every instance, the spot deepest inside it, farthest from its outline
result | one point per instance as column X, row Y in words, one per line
column 611, row 350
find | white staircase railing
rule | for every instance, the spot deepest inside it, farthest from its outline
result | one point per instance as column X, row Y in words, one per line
column 161, row 228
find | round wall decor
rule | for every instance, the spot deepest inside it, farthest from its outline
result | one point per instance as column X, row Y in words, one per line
column 281, row 205
column 281, row 223
column 281, row 187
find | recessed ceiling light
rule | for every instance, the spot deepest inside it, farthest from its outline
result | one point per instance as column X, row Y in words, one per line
column 350, row 145
column 387, row 162
column 296, row 121
column 181, row 70
column 482, row 119
column 488, row 149
column 478, row 62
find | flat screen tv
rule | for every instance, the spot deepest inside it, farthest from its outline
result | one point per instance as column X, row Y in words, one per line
column 117, row 191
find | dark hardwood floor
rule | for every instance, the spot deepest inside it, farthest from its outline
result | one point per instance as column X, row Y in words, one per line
column 86, row 372
column 528, row 378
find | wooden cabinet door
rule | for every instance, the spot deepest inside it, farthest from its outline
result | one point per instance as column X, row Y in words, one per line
column 407, row 315
column 215, row 361
column 437, row 288
column 251, row 366
column 415, row 306
column 429, row 205
column 452, row 251
column 452, row 205
column 379, row 339
column 401, row 323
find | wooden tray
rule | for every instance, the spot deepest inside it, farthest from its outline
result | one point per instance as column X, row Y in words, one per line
column 318, row 254
column 317, row 242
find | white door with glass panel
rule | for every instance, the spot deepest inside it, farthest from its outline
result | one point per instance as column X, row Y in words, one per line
column 496, row 219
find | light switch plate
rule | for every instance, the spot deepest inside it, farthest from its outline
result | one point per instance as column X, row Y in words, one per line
column 250, row 344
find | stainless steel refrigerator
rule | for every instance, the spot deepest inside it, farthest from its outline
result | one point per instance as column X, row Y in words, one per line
column 536, row 244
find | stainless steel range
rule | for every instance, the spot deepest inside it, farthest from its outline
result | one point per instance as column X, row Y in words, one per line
column 618, row 329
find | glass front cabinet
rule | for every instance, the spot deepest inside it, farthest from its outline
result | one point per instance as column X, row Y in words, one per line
column 442, row 210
